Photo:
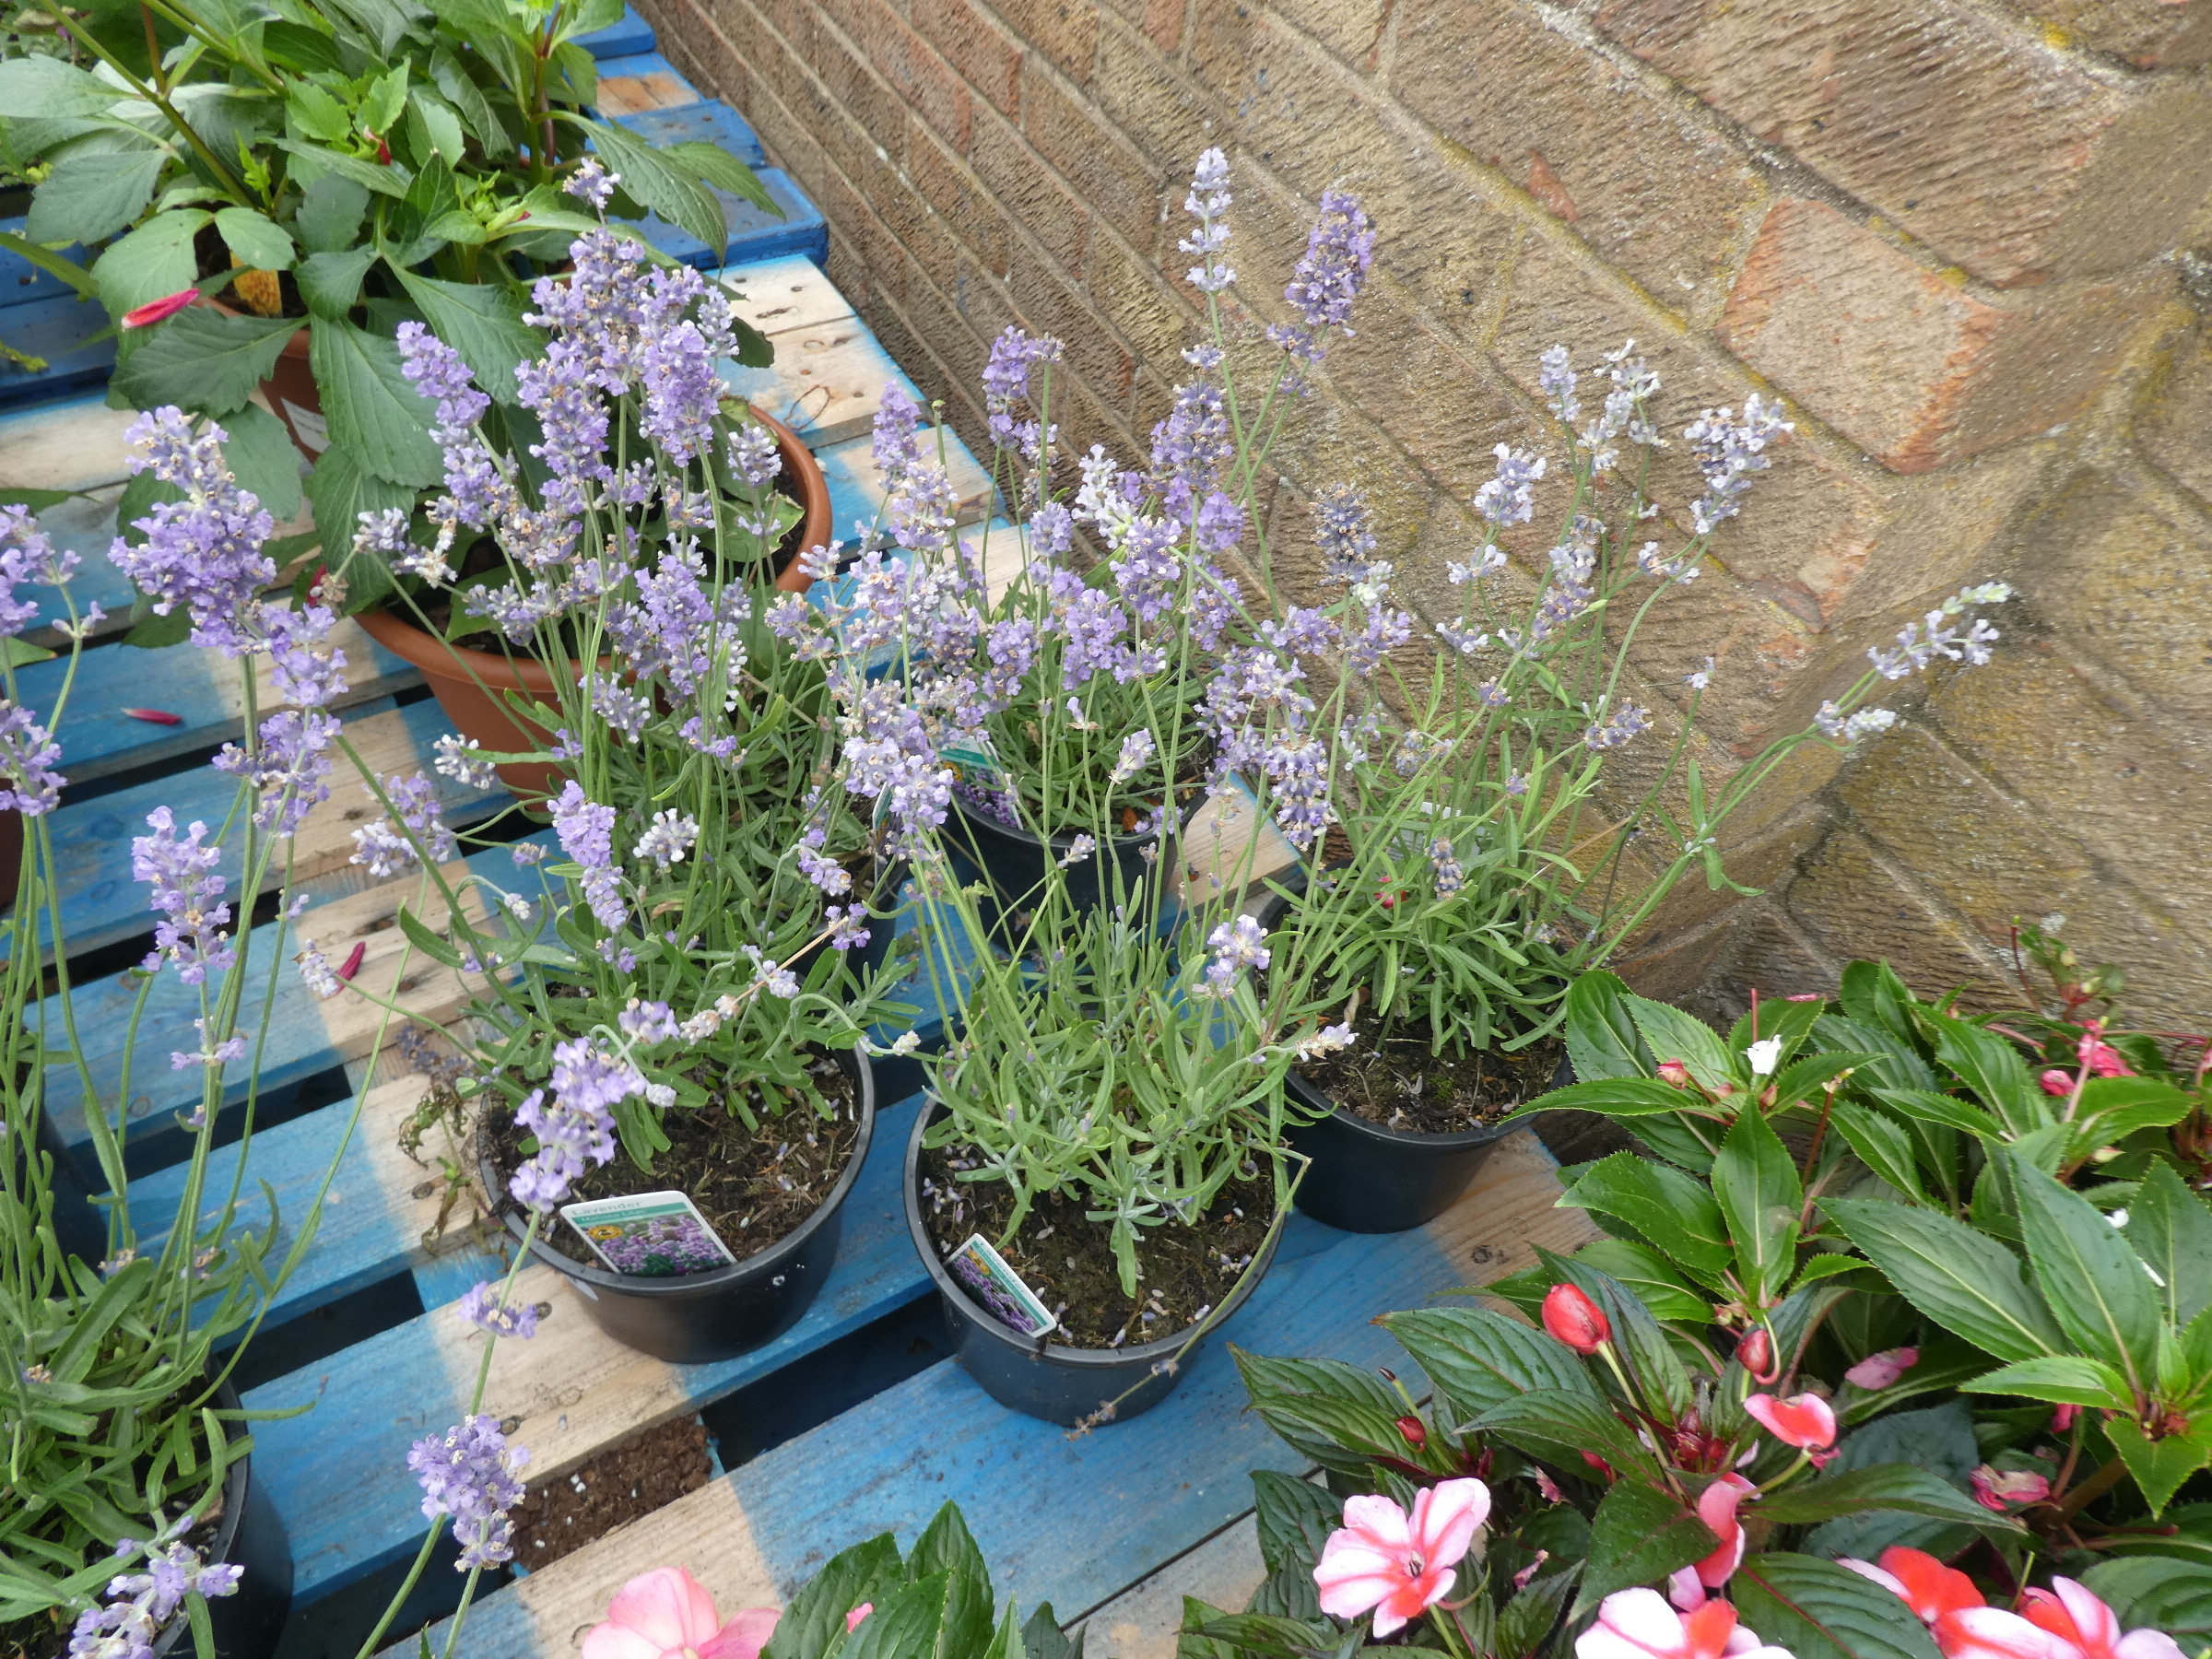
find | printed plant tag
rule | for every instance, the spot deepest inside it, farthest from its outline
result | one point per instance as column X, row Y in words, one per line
column 651, row 1235
column 998, row 1288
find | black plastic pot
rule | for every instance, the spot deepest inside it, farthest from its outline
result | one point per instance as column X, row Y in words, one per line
column 1035, row 1375
column 1016, row 861
column 1367, row 1179
column 865, row 960
column 728, row 1311
column 250, row 1536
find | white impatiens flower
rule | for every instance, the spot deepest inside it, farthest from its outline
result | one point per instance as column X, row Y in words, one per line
column 1763, row 1055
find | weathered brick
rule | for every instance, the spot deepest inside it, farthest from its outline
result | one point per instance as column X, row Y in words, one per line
column 1102, row 167
column 1351, row 30
column 1133, row 294
column 988, row 57
column 1026, row 190
column 2150, row 35
column 1772, row 956
column 1853, row 904
column 1051, row 305
column 919, row 75
column 1914, row 370
column 2017, row 165
column 1150, row 100
column 2130, row 585
column 1670, row 969
column 1066, row 32
column 963, row 207
column 1662, row 198
column 695, row 43
column 2173, row 425
column 1161, row 22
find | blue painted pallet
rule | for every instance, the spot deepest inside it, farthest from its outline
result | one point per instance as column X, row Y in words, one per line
column 644, row 81
column 754, row 235
column 702, row 123
column 69, row 333
column 626, row 39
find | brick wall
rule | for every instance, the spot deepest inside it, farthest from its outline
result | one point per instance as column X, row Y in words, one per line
column 1953, row 235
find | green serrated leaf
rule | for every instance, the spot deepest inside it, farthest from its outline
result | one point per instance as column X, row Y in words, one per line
column 2089, row 1276
column 653, row 181
column 1670, row 1034
column 1638, row 1535
column 1671, row 1210
column 258, row 243
column 88, row 197
column 2158, row 1466
column 1756, row 1188
column 373, row 411
column 1964, row 1281
column 201, row 359
column 483, row 323
column 1890, row 1486
column 1815, row 1609
column 263, row 457
column 153, row 261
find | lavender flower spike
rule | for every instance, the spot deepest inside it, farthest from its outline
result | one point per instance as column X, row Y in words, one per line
column 205, row 552
column 1339, row 252
column 479, row 1305
column 469, row 1473
column 1208, row 201
column 140, row 1604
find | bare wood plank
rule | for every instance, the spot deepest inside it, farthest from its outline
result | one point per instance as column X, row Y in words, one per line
column 779, row 295
column 633, row 85
column 1142, row 1621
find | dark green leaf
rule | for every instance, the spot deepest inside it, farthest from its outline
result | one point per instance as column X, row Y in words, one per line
column 90, row 196
column 1528, row 1618
column 2066, row 1379
column 723, row 172
column 200, row 360
column 2092, row 1279
column 263, row 459
column 2172, row 1597
column 330, row 214
column 258, row 243
column 1938, row 1440
column 1992, row 1066
column 1963, row 1281
column 1902, row 1065
column 1561, row 1427
column 423, row 939
column 483, row 323
column 468, row 100
column 2170, row 1228
column 1872, row 993
column 1882, row 1146
column 1671, row 1210
column 1666, row 1293
column 1041, row 1638
column 1477, row 1359
column 52, row 264
column 388, row 180
column 1670, row 1034
column 1338, row 1414
column 1756, row 1188
column 1638, row 1535
column 2158, row 1466
column 1295, row 1518
column 1601, row 1038
column 296, row 46
column 815, row 1616
column 1890, row 1486
column 331, row 283
column 1819, row 1611
column 1616, row 1097
column 909, row 1623
column 657, row 183
column 1944, row 1109
column 340, row 492
column 372, row 410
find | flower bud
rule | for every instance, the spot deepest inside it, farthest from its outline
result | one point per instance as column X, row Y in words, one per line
column 1674, row 1072
column 1572, row 1318
column 1755, row 1353
column 1415, row 1432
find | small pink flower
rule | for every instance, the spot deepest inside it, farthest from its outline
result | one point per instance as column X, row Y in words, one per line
column 1755, row 1353
column 1931, row 1589
column 853, row 1617
column 667, row 1613
column 1399, row 1567
column 1998, row 1489
column 352, row 965
column 155, row 311
column 2099, row 1057
column 1638, row 1624
column 1521, row 1578
column 1809, row 996
column 1716, row 1507
column 2080, row 1621
column 2057, row 1083
column 1549, row 1489
column 1881, row 1371
column 2062, row 1420
column 1802, row 1420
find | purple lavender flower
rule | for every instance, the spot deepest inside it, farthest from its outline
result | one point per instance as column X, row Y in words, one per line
column 896, row 449
column 479, row 1305
column 1236, row 946
column 205, row 552
column 1386, row 628
column 304, row 667
column 27, row 555
column 1728, row 452
column 1617, row 729
column 1190, row 449
column 577, row 1127
column 1941, row 639
column 1209, row 203
column 1554, row 379
column 1444, row 862
column 848, row 925
column 1510, row 498
column 462, row 761
column 1138, row 749
column 288, row 769
column 140, row 1604
column 586, row 832
column 1344, row 532
column 1833, row 722
column 469, row 1473
column 1338, row 253
column 592, row 184
column 190, row 933
column 437, row 373
column 1299, row 775
column 666, row 839
column 825, row 873
column 381, row 846
column 1015, row 357
column 621, row 707
column 1219, row 525
column 28, row 753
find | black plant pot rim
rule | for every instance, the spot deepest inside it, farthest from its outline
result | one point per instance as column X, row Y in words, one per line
column 766, row 1259
column 1064, row 842
column 238, row 1480
column 1057, row 1353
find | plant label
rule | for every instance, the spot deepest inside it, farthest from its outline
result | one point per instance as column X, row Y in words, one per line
column 651, row 1235
column 1000, row 1290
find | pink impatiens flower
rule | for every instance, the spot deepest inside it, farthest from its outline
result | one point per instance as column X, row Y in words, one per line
column 667, row 1613
column 1400, row 1568
column 2082, row 1625
column 1638, row 1624
column 2056, row 1083
column 2099, row 1057
column 1998, row 1489
column 1716, row 1507
column 1881, row 1371
column 1803, row 1420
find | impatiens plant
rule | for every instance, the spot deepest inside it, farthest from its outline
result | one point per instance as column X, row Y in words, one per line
column 869, row 1602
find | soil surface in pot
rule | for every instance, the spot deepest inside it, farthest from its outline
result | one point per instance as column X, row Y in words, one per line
column 752, row 1188
column 1068, row 1261
column 1393, row 1081
column 645, row 1472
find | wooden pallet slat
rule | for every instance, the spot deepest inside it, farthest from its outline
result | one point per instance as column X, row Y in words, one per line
column 1151, row 1486
column 632, row 85
column 701, row 122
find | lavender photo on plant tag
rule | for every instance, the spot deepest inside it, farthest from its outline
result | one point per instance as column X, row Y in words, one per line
column 998, row 1288
column 651, row 1235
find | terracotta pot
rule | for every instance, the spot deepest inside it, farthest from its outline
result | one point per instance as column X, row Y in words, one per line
column 469, row 684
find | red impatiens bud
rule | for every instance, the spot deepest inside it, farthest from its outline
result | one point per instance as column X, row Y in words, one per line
column 156, row 716
column 1572, row 1318
column 1674, row 1072
column 1755, row 1353
column 353, row 960
column 1415, row 1430
column 155, row 311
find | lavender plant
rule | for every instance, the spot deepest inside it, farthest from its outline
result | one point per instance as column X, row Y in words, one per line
column 117, row 1342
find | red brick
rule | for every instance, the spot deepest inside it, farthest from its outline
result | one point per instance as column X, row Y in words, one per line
column 1134, row 295
column 1666, row 201
column 927, row 83
column 1066, row 30
column 985, row 53
column 1855, row 903
column 966, row 208
column 1027, row 193
column 696, row 45
column 1051, row 305
column 1151, row 101
column 1103, row 168
column 1160, row 20
column 2013, row 162
column 1914, row 369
